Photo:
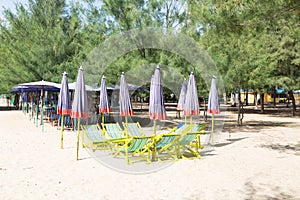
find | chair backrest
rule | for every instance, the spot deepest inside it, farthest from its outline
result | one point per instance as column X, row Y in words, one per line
column 187, row 139
column 113, row 130
column 138, row 143
column 192, row 133
column 93, row 132
column 165, row 140
column 134, row 129
column 179, row 130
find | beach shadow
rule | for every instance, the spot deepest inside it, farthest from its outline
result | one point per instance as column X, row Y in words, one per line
column 253, row 192
column 254, row 126
column 284, row 148
column 222, row 144
column 279, row 111
column 236, row 139
column 84, row 158
column 230, row 141
column 207, row 154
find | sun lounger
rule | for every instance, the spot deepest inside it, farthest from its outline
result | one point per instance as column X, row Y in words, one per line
column 180, row 138
column 135, row 145
column 134, row 129
column 113, row 131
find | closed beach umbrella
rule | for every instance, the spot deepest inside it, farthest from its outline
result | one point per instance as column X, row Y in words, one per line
column 80, row 107
column 213, row 103
column 104, row 106
column 181, row 100
column 64, row 105
column 124, row 100
column 191, row 104
column 157, row 109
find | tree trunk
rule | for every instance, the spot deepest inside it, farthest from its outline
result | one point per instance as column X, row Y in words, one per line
column 291, row 96
column 262, row 102
column 255, row 100
column 233, row 100
column 205, row 113
column 247, row 95
column 225, row 98
column 240, row 111
column 274, row 98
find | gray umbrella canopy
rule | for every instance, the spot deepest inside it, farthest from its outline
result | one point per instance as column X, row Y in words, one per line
column 157, row 109
column 191, row 104
column 104, row 106
column 64, row 105
column 41, row 85
column 182, row 95
column 213, row 100
column 124, row 98
column 80, row 107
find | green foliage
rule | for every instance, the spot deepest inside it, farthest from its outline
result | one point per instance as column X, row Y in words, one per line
column 253, row 43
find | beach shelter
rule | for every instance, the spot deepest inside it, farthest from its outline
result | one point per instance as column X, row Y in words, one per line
column 181, row 100
column 43, row 86
column 124, row 101
column 191, row 104
column 104, row 106
column 80, row 107
column 213, row 104
column 64, row 105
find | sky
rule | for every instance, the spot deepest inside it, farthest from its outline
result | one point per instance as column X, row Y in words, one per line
column 10, row 4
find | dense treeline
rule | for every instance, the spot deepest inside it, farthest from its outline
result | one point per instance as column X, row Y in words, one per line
column 255, row 44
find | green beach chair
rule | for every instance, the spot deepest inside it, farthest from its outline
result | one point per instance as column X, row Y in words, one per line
column 134, row 129
column 94, row 138
column 179, row 138
column 113, row 131
column 186, row 139
column 135, row 145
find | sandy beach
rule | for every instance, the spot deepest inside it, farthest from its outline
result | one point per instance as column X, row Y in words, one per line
column 260, row 161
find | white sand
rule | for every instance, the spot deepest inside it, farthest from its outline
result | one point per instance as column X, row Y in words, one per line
column 256, row 164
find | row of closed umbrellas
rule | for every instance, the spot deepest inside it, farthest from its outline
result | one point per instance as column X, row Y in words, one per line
column 188, row 100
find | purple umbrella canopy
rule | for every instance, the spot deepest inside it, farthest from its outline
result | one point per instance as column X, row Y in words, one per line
column 80, row 107
column 124, row 98
column 213, row 100
column 157, row 109
column 191, row 104
column 104, row 106
column 64, row 105
column 182, row 95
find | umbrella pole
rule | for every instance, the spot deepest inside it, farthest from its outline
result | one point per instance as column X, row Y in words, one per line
column 42, row 106
column 184, row 119
column 212, row 129
column 154, row 142
column 62, row 131
column 126, row 128
column 37, row 110
column 191, row 120
column 36, row 115
column 102, row 118
column 42, row 118
column 78, row 135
